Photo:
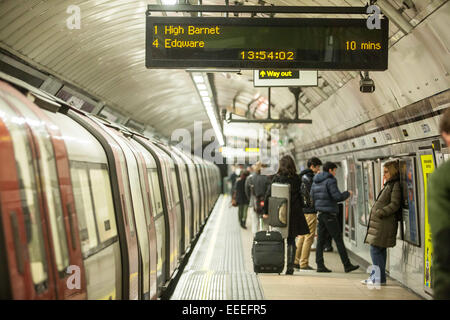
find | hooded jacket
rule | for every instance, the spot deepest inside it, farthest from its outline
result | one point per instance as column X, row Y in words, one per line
column 325, row 193
column 382, row 228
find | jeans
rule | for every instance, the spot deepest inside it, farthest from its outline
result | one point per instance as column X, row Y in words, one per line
column 378, row 256
column 243, row 213
column 328, row 222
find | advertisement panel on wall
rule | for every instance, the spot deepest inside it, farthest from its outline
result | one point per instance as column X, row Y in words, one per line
column 427, row 168
column 409, row 197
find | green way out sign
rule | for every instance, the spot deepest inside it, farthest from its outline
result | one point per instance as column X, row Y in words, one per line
column 284, row 78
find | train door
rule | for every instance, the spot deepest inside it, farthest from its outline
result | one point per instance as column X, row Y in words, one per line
column 139, row 211
column 369, row 188
column 163, row 177
column 94, row 207
column 351, row 202
column 146, row 162
column 341, row 177
column 122, row 203
column 24, row 253
column 56, row 188
column 182, row 197
column 201, row 192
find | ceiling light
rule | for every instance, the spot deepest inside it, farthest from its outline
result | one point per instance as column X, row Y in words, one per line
column 201, row 86
column 198, row 79
column 169, row 2
column 206, row 99
column 203, row 93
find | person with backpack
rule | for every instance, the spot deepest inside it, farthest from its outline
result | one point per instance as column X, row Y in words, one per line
column 325, row 196
column 383, row 222
column 305, row 242
column 241, row 198
column 287, row 174
column 255, row 188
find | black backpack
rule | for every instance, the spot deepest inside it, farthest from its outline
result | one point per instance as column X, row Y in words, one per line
column 305, row 193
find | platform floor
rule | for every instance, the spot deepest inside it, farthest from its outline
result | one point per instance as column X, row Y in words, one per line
column 220, row 267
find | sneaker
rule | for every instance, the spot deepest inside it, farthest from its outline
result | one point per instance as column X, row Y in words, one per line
column 323, row 269
column 328, row 249
column 296, row 266
column 372, row 282
column 367, row 281
column 306, row 268
column 350, row 268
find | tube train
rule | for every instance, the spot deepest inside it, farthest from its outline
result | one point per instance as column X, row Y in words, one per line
column 90, row 209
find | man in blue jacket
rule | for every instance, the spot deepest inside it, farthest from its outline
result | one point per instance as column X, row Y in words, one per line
column 325, row 196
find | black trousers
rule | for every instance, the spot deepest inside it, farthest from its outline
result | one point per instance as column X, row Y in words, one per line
column 328, row 223
column 327, row 236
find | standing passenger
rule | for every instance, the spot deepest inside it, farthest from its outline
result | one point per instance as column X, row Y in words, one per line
column 439, row 215
column 287, row 174
column 382, row 227
column 255, row 189
column 304, row 242
column 326, row 195
column 233, row 176
column 241, row 198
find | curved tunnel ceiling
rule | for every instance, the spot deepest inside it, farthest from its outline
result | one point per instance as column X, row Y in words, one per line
column 106, row 58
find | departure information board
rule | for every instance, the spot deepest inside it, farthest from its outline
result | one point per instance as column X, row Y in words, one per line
column 252, row 43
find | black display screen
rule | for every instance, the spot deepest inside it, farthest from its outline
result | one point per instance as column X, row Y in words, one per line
column 251, row 43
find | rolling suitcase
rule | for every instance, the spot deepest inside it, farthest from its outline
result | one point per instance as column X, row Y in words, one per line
column 268, row 252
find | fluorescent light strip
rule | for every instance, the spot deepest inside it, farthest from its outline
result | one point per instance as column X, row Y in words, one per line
column 207, row 104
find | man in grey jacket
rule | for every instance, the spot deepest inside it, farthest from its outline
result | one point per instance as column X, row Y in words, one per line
column 255, row 189
column 325, row 196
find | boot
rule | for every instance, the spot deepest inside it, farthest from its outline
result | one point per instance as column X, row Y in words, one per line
column 290, row 259
column 350, row 267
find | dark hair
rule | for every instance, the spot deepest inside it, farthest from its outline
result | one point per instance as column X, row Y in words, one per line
column 314, row 162
column 444, row 125
column 287, row 166
column 329, row 165
column 244, row 174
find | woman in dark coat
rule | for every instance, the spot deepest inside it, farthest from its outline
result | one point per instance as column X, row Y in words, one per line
column 241, row 199
column 287, row 174
column 382, row 228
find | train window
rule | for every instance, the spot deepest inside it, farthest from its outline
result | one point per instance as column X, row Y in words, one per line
column 50, row 183
column 126, row 200
column 185, row 182
column 28, row 193
column 156, row 191
column 104, row 210
column 175, row 186
column 84, row 207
